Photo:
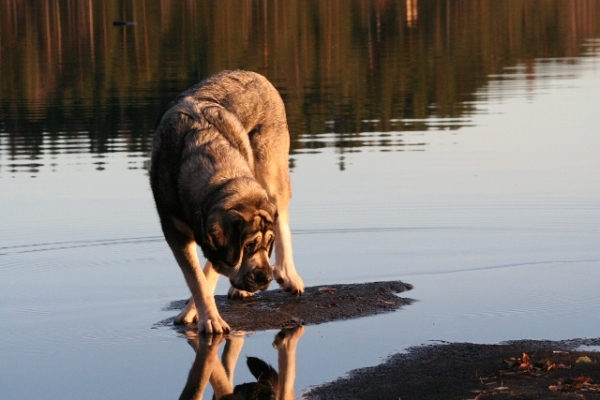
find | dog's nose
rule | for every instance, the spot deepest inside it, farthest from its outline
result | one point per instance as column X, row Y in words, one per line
column 262, row 279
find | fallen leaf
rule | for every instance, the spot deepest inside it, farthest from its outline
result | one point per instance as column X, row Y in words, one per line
column 582, row 360
column 525, row 362
column 579, row 379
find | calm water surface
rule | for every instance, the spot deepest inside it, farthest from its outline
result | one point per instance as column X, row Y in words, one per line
column 453, row 146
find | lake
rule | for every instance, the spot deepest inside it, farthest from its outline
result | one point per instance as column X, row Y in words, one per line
column 450, row 145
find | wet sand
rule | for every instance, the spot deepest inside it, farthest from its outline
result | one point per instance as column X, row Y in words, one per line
column 473, row 371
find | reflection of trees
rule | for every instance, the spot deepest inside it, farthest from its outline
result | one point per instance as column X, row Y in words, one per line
column 65, row 67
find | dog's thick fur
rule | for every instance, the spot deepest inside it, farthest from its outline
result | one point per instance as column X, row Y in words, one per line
column 220, row 179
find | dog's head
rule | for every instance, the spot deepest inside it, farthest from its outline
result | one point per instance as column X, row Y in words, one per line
column 239, row 240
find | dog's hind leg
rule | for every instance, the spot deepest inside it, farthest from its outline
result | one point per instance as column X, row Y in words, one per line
column 188, row 315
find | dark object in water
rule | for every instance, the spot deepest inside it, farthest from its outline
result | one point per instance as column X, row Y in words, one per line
column 124, row 23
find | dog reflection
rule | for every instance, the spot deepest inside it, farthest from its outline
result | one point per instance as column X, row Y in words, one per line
column 269, row 384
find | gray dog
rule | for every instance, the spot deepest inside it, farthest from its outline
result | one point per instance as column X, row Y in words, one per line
column 220, row 179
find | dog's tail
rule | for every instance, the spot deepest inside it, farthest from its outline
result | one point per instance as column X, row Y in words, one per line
column 232, row 129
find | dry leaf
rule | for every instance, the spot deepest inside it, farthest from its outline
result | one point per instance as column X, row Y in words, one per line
column 525, row 362
column 579, row 379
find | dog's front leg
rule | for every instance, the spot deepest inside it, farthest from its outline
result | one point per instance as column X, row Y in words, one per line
column 209, row 319
column 284, row 270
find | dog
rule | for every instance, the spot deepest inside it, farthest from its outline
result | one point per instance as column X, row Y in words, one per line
column 269, row 385
column 220, row 179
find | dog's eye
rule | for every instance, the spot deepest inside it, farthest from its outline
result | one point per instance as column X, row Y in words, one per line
column 251, row 245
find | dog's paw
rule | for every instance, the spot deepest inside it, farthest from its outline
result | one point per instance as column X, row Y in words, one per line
column 290, row 282
column 187, row 316
column 210, row 322
column 234, row 293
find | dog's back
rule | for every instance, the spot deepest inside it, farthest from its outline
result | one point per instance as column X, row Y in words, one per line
column 242, row 106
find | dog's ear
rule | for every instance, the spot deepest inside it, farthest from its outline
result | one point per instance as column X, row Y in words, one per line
column 271, row 248
column 268, row 212
column 263, row 372
column 271, row 210
column 223, row 238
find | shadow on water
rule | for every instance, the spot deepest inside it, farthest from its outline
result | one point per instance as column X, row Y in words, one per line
column 352, row 74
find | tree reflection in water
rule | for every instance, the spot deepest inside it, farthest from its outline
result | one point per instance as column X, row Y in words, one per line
column 71, row 82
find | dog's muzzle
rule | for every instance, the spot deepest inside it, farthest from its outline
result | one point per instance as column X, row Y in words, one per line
column 258, row 279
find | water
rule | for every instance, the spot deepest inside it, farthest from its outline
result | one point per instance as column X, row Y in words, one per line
column 452, row 149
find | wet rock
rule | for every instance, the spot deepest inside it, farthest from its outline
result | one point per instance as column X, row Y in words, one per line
column 276, row 309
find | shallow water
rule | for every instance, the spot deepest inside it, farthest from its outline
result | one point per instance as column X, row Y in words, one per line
column 466, row 167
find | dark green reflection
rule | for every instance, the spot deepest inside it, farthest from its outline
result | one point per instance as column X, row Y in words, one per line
column 70, row 79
